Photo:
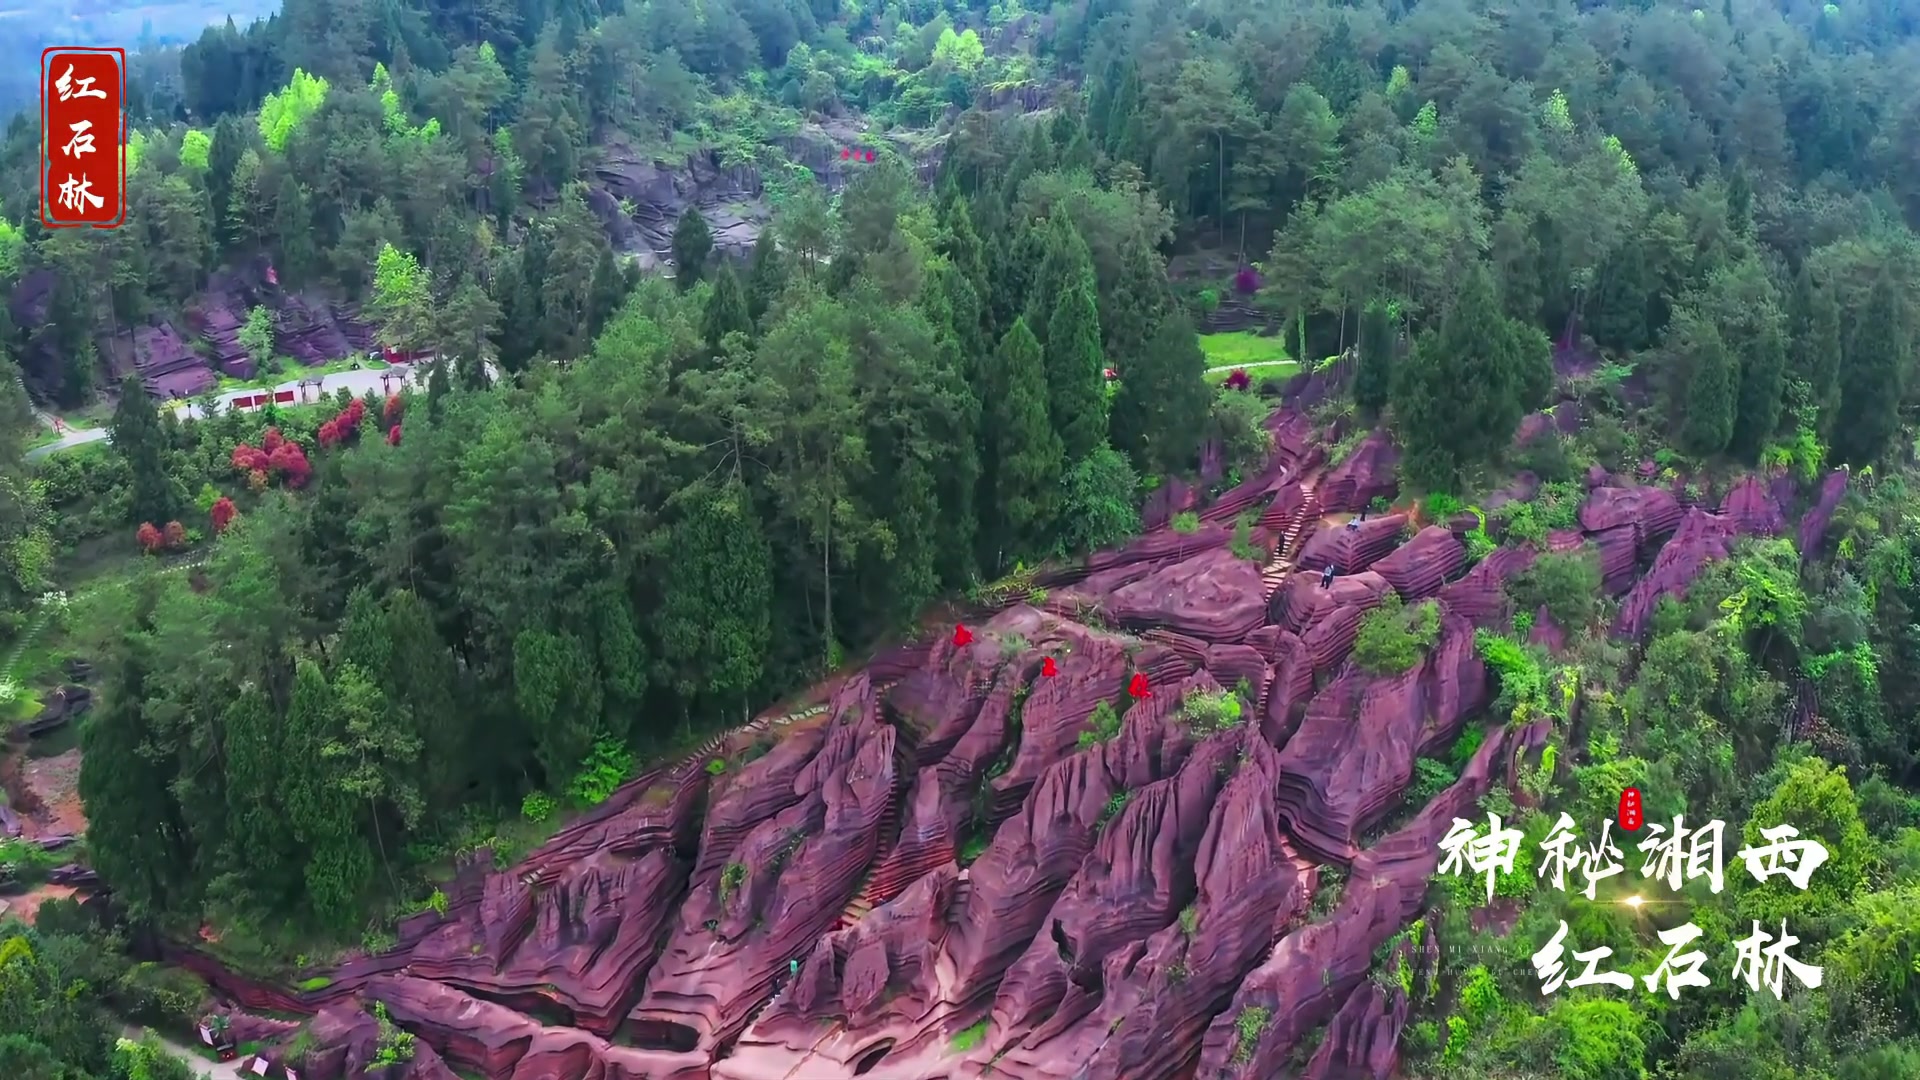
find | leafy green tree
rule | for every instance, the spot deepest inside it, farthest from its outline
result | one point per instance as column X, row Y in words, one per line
column 140, row 440
column 1460, row 395
column 1096, row 502
column 692, row 243
column 1026, row 454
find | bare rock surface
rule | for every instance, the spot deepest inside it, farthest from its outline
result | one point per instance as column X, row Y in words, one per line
column 1081, row 844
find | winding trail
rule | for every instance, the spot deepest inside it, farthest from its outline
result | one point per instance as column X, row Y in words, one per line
column 216, row 1070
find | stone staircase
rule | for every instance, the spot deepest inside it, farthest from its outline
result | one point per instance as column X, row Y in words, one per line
column 1281, row 565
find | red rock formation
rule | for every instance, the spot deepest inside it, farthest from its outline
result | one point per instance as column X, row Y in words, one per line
column 1215, row 596
column 1364, row 475
column 1752, row 508
column 1481, row 596
column 1619, row 552
column 1351, row 550
column 1312, row 971
column 1703, row 538
column 1652, row 512
column 1420, row 567
column 1813, row 524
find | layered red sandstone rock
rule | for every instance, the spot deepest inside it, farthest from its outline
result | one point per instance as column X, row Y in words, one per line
column 965, row 861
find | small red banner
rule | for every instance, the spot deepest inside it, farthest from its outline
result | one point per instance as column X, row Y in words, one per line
column 83, row 171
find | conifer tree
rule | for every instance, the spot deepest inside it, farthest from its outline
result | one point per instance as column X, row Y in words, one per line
column 1459, row 396
column 1763, row 376
column 1871, row 378
column 692, row 243
column 1616, row 315
column 726, row 311
column 1712, row 390
column 321, row 813
column 1064, row 265
column 766, row 275
column 1163, row 399
column 1076, row 387
column 1374, row 381
column 143, row 443
column 1026, row 453
column 1814, row 315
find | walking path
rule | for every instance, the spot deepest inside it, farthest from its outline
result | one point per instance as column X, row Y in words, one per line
column 357, row 382
column 217, row 1070
column 1255, row 364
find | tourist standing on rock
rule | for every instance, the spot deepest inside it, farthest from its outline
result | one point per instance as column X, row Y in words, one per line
column 1326, row 578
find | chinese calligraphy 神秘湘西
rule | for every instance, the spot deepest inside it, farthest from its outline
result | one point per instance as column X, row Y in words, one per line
column 1673, row 855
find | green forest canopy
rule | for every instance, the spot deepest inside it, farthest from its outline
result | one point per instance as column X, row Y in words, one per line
column 681, row 499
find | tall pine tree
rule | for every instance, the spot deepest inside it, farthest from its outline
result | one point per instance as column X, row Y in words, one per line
column 139, row 439
column 1712, row 390
column 1459, row 396
column 1814, row 321
column 1163, row 399
column 726, row 310
column 692, row 243
column 1871, row 378
column 1374, row 381
column 1027, row 459
column 766, row 275
column 1064, row 266
column 1076, row 385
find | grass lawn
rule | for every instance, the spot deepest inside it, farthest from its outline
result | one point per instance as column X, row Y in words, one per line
column 1244, row 348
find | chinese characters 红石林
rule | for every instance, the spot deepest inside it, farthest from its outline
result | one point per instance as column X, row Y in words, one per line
column 1673, row 857
column 76, row 191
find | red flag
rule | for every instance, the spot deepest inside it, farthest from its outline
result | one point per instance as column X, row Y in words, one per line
column 846, row 153
column 961, row 636
column 1137, row 686
column 1048, row 669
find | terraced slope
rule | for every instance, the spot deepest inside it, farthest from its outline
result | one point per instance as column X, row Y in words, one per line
column 963, row 865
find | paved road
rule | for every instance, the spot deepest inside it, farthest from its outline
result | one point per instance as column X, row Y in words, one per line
column 358, row 382
column 217, row 1070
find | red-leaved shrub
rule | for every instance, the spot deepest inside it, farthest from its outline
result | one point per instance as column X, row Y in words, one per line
column 271, row 441
column 343, row 428
column 257, row 480
column 393, row 435
column 390, row 412
column 175, row 535
column 248, row 458
column 290, row 462
column 1238, row 379
column 223, row 513
column 148, row 537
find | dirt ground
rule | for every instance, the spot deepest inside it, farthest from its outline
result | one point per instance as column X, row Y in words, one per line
column 56, row 780
column 24, row 906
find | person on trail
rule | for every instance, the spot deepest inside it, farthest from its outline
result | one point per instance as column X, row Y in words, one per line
column 1326, row 578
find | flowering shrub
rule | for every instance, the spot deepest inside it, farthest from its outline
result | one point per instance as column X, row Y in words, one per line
column 1238, row 379
column 393, row 435
column 290, row 462
column 390, row 412
column 345, row 427
column 149, row 538
column 223, row 513
column 175, row 535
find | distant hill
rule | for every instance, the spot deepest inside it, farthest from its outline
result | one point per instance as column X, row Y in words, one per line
column 27, row 28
